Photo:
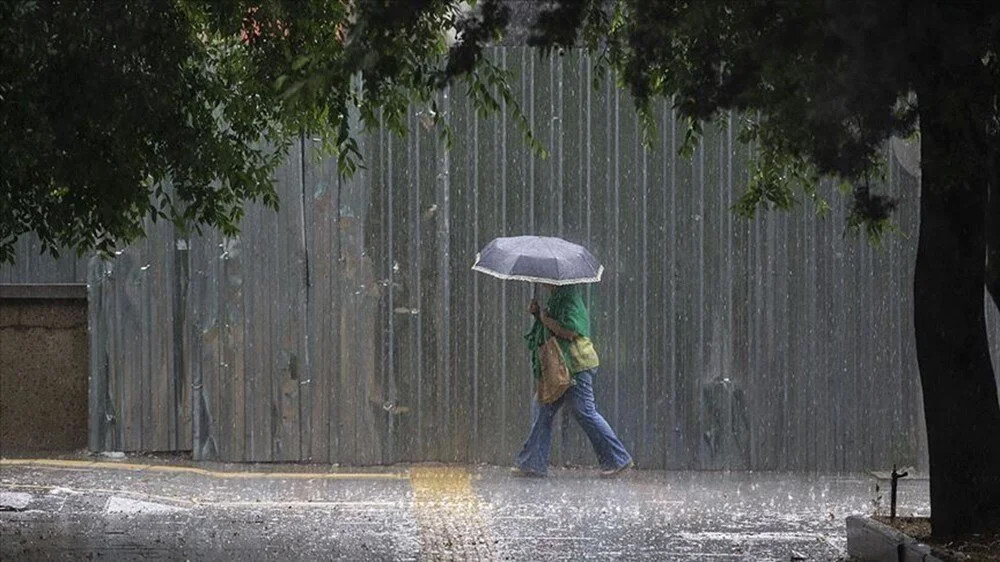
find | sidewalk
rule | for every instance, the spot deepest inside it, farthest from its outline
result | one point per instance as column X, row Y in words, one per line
column 144, row 509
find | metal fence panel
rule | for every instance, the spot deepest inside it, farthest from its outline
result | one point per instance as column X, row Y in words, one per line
column 32, row 266
column 348, row 326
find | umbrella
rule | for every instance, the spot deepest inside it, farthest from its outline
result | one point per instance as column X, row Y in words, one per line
column 538, row 259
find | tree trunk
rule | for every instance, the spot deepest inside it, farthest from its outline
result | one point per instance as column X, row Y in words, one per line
column 959, row 390
column 993, row 222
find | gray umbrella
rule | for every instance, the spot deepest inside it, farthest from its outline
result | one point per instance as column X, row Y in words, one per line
column 539, row 259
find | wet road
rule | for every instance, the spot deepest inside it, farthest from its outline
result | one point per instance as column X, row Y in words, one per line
column 143, row 510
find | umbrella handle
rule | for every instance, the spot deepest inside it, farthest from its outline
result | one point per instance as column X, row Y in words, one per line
column 536, row 291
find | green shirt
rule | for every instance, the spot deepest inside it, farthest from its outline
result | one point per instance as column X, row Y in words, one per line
column 565, row 305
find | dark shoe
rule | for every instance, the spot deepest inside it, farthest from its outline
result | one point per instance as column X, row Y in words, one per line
column 521, row 473
column 614, row 472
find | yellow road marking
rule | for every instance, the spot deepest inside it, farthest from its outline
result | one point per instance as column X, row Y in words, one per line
column 452, row 526
column 74, row 464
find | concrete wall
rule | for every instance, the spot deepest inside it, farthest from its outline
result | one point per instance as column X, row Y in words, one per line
column 43, row 373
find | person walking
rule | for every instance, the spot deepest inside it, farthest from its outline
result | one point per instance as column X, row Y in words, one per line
column 565, row 317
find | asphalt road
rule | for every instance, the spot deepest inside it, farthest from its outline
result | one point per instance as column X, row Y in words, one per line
column 150, row 509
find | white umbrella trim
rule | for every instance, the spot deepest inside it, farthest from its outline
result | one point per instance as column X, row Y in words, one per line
column 531, row 279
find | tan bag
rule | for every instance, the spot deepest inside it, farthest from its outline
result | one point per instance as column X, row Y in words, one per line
column 555, row 375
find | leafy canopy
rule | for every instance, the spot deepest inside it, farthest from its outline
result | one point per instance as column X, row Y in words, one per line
column 822, row 85
column 115, row 112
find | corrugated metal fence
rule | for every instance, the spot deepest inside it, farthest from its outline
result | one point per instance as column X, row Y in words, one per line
column 349, row 328
column 32, row 266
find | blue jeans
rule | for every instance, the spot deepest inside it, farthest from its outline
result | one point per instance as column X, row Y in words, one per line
column 534, row 456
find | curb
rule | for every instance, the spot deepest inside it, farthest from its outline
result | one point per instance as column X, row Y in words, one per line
column 871, row 541
column 177, row 469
